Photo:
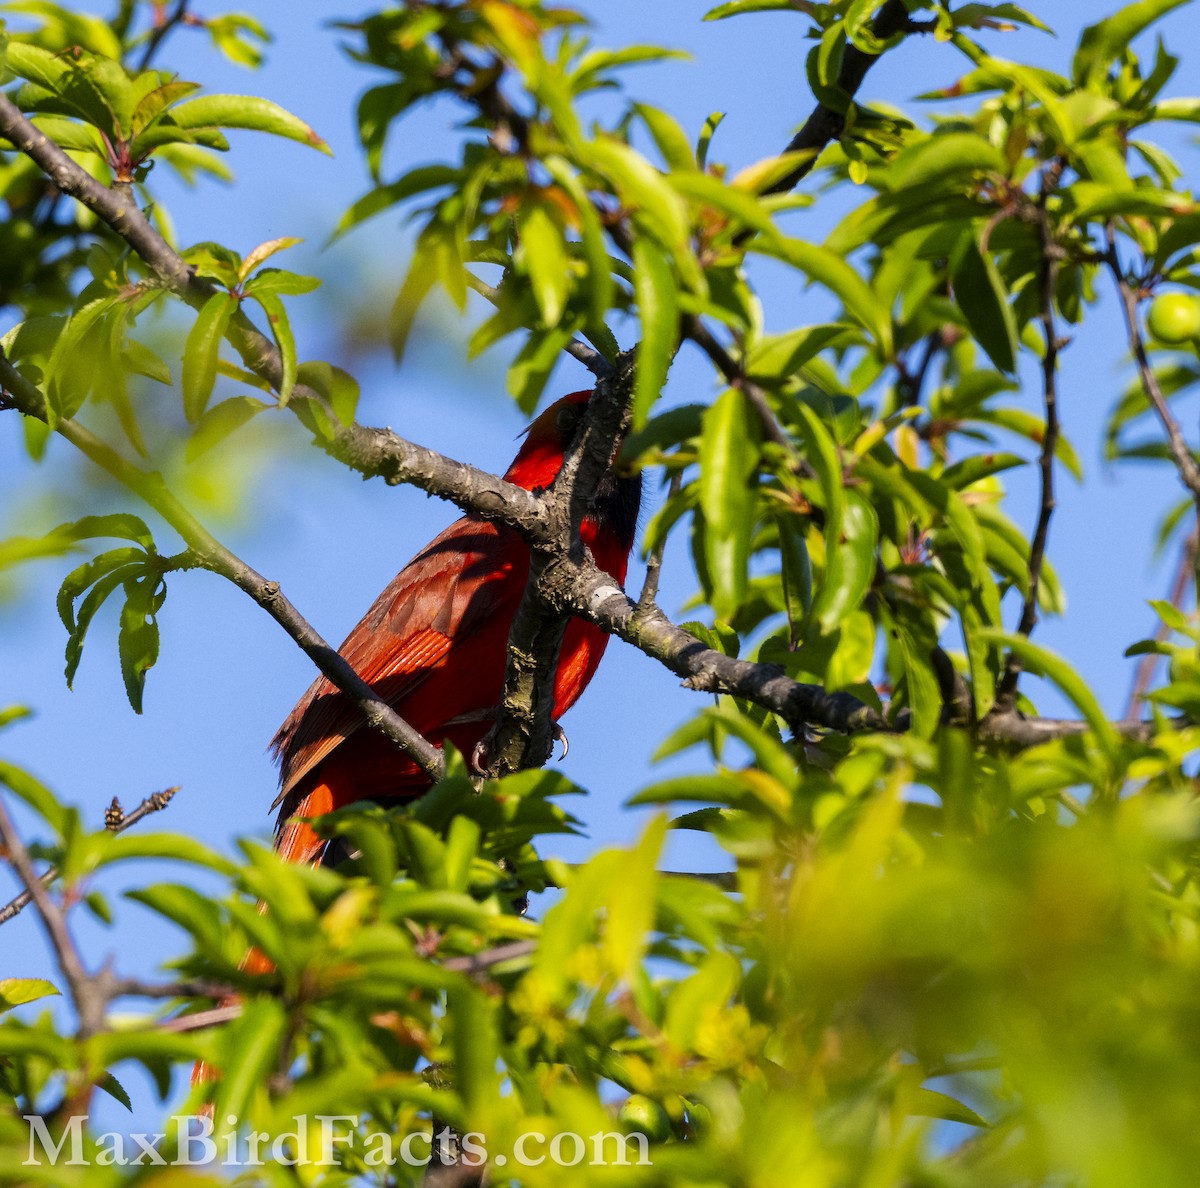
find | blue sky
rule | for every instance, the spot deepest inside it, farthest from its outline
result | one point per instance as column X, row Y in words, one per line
column 228, row 675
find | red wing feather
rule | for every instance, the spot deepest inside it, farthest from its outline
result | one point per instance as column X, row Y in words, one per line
column 471, row 574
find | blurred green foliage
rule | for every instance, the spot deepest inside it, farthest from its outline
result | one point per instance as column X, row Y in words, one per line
column 935, row 958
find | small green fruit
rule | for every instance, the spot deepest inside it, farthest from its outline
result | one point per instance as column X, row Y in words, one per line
column 1174, row 318
column 643, row 1115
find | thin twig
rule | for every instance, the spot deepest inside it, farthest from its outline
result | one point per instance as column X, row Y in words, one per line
column 824, row 124
column 1051, row 254
column 88, row 1005
column 163, row 26
column 213, row 555
column 1181, row 454
column 201, row 1019
column 374, row 453
column 472, row 964
column 115, row 821
column 649, row 593
column 591, row 358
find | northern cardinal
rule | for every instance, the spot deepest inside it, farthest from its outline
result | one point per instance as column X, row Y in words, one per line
column 434, row 644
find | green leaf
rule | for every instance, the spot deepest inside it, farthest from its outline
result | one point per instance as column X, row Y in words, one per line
column 248, row 1053
column 670, row 138
column 531, row 369
column 981, row 296
column 141, row 360
column 714, row 788
column 91, row 603
column 339, row 387
column 473, row 1020
column 828, row 269
column 705, row 139
column 945, row 158
column 36, row 795
column 1045, row 663
column 729, row 455
column 1106, row 40
column 277, row 280
column 780, row 356
column 115, row 1090
column 87, row 574
column 849, row 562
column 249, row 112
column 657, row 207
column 152, row 106
column 36, row 64
column 542, row 255
column 928, row 1103
column 629, row 911
column 18, row 991
column 416, row 181
column 598, row 274
column 658, row 306
column 137, row 641
column 220, row 421
column 201, row 352
column 742, row 207
column 737, row 7
column 281, row 329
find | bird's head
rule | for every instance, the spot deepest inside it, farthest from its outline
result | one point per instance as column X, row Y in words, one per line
column 540, row 457
column 618, row 499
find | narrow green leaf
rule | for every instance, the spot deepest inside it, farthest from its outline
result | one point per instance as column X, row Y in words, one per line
column 246, row 111
column 137, row 641
column 705, row 140
column 542, row 255
column 277, row 280
column 1046, row 663
column 281, row 329
column 220, row 421
column 670, row 138
column 658, row 306
column 598, row 275
column 737, row 7
column 201, row 351
column 339, row 387
column 828, row 269
column 1104, row 41
column 981, row 296
column 729, row 455
column 248, row 1053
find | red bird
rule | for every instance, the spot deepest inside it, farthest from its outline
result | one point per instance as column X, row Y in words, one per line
column 434, row 645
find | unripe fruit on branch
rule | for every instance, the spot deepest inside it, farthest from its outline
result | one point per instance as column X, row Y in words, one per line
column 1174, row 318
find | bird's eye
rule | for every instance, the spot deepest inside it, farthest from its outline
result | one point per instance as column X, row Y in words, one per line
column 567, row 417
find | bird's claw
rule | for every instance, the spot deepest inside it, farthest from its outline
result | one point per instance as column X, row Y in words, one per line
column 560, row 735
column 480, row 758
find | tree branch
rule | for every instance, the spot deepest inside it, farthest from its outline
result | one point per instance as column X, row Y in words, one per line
column 371, row 452
column 212, row 555
column 825, row 123
column 523, row 733
column 1185, row 462
column 590, row 593
column 89, row 1005
column 116, row 820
